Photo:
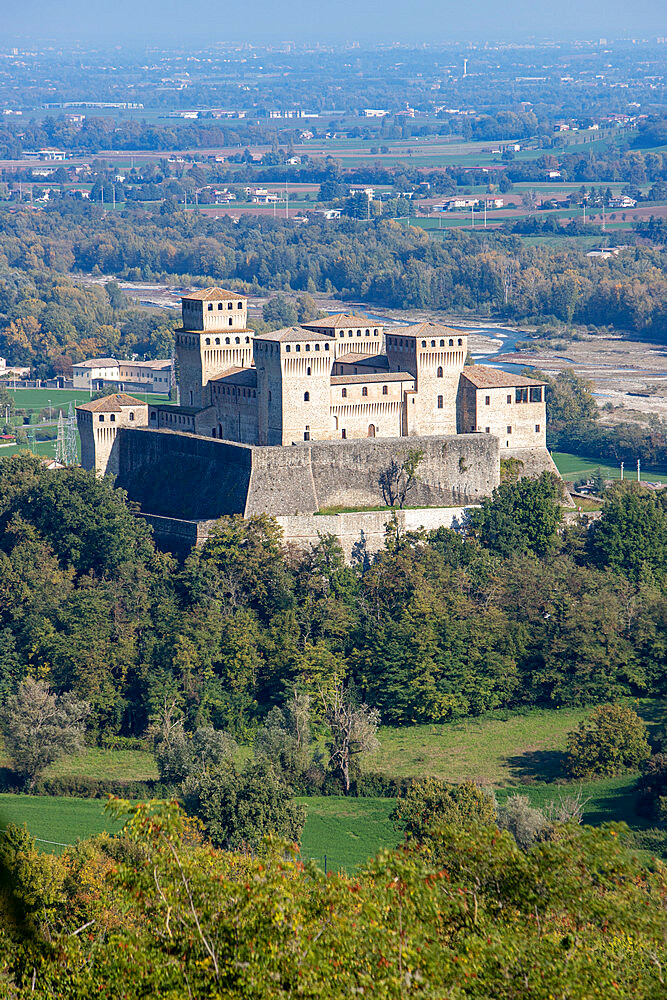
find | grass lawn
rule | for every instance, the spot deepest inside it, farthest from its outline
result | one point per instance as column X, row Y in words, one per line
column 57, row 822
column 112, row 765
column 37, row 399
column 499, row 749
column 575, row 466
column 347, row 831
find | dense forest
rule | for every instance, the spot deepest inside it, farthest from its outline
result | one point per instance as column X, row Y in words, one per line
column 382, row 263
column 515, row 612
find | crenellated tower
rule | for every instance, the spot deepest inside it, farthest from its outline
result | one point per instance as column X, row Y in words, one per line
column 214, row 338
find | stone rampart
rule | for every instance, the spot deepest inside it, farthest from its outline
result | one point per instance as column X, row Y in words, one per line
column 183, row 475
column 189, row 477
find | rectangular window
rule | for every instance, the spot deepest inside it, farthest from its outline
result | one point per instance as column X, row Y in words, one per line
column 439, row 402
column 487, row 401
column 536, row 394
column 509, row 399
column 509, row 430
column 343, row 433
column 522, row 395
column 537, row 428
column 487, row 430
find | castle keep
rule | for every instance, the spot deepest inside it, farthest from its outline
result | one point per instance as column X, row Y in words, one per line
column 311, row 416
column 338, row 378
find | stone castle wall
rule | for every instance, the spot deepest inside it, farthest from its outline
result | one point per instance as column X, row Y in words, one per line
column 191, row 477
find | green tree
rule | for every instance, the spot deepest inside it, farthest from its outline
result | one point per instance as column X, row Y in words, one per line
column 240, row 806
column 431, row 803
column 520, row 516
column 610, row 740
column 39, row 727
column 279, row 312
column 631, row 535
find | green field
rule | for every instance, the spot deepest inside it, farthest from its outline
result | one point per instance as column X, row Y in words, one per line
column 347, row 832
column 38, row 399
column 574, row 467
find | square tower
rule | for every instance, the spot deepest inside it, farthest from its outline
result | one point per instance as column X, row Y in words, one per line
column 214, row 339
column 293, row 386
column 435, row 355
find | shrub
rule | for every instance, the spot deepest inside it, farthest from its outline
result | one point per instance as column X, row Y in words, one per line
column 652, row 787
column 612, row 739
column 526, row 823
column 432, row 803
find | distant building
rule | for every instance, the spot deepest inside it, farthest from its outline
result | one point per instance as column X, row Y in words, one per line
column 144, row 376
column 375, row 112
column 623, row 201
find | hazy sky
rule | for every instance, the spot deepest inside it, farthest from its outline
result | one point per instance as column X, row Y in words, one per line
column 435, row 21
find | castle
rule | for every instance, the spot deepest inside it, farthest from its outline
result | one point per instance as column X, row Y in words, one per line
column 340, row 377
column 310, row 416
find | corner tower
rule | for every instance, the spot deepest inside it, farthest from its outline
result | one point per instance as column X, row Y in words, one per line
column 99, row 421
column 214, row 337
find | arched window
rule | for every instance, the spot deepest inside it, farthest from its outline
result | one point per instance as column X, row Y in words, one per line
column 217, row 340
column 306, row 397
column 240, row 305
column 364, row 391
column 219, row 305
column 227, row 340
column 371, row 430
column 131, row 415
column 423, row 343
column 237, row 340
column 433, row 343
column 460, row 342
column 112, row 417
column 440, row 373
column 439, row 402
column 343, row 393
column 451, row 343
column 384, row 390
column 442, row 343
column 208, row 340
column 230, row 323
column 307, row 371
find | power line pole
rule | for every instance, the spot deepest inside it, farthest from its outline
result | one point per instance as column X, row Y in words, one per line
column 70, row 438
column 61, row 456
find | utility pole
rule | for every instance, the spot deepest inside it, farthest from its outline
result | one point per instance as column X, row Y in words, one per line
column 639, row 471
column 114, row 197
column 102, row 197
column 584, row 213
column 472, row 215
column 622, row 467
column 485, row 213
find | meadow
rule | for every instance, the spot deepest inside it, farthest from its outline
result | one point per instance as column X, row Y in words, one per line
column 519, row 753
column 573, row 467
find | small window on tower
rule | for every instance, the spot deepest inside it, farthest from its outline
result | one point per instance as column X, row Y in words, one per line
column 131, row 416
column 219, row 305
column 343, row 393
column 308, row 371
column 384, row 390
column 230, row 305
column 509, row 429
column 306, row 397
column 440, row 402
column 509, row 399
column 208, row 340
column 364, row 391
column 210, row 307
column 537, row 428
column 440, row 373
column 112, row 418
column 343, row 433
column 487, row 401
column 240, row 305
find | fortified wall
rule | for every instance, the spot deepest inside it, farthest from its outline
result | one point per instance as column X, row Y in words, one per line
column 185, row 476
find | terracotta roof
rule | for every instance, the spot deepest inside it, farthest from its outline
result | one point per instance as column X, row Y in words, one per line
column 372, row 377
column 97, row 363
column 341, row 319
column 111, row 404
column 158, row 365
column 352, row 358
column 292, row 333
column 213, row 294
column 237, row 376
column 491, row 378
column 426, row 329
